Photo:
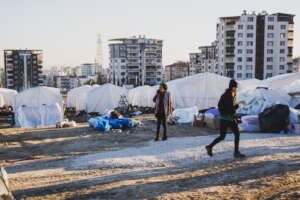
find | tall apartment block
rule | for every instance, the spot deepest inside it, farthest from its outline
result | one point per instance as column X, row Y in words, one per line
column 204, row 61
column 177, row 70
column 23, row 69
column 88, row 69
column 136, row 61
column 255, row 45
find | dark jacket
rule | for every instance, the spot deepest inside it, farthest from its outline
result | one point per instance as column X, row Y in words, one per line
column 167, row 103
column 227, row 104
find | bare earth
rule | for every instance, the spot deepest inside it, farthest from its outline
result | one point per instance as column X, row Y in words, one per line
column 37, row 162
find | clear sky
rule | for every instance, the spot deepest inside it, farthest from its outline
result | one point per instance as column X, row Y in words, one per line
column 67, row 29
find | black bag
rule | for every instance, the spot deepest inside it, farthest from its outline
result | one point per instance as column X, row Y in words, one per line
column 274, row 119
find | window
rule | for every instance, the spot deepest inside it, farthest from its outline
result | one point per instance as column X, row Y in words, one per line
column 270, row 35
column 282, row 51
column 269, row 67
column 283, row 27
column 281, row 67
column 249, row 75
column 270, row 51
column 240, row 43
column 249, row 67
column 250, row 27
column 249, row 35
column 249, row 51
column 240, row 59
column 239, row 67
column 249, row 59
column 250, row 19
column 269, row 75
column 240, row 35
column 282, row 43
column 239, row 75
column 270, row 43
column 282, row 35
column 123, row 60
column 249, row 43
column 269, row 59
column 240, row 27
column 282, row 59
column 123, row 67
column 270, row 27
column 271, row 19
column 240, row 51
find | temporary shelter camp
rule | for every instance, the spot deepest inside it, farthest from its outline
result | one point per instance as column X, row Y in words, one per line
column 77, row 97
column 103, row 98
column 141, row 96
column 38, row 106
column 8, row 96
column 281, row 81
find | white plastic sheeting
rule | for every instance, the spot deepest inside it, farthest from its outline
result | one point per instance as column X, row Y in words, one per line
column 38, row 96
column 103, row 98
column 77, row 97
column 38, row 115
column 201, row 90
column 256, row 101
column 141, row 96
column 1, row 101
column 293, row 87
column 8, row 96
column 250, row 84
column 281, row 81
column 185, row 115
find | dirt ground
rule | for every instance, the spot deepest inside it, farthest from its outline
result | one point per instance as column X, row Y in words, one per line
column 36, row 160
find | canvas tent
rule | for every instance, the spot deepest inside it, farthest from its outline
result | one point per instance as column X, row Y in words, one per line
column 202, row 90
column 141, row 96
column 8, row 96
column 38, row 96
column 103, row 98
column 77, row 97
column 281, row 81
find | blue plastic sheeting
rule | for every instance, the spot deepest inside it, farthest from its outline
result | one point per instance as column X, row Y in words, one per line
column 105, row 124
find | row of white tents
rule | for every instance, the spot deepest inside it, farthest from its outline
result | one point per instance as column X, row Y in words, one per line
column 201, row 90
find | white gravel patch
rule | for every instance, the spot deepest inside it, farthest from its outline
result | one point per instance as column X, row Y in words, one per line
column 189, row 150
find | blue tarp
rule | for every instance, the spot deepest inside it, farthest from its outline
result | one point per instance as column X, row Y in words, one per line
column 105, row 124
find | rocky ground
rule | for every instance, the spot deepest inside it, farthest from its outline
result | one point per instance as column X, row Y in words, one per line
column 39, row 164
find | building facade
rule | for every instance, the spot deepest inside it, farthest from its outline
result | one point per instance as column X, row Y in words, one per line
column 296, row 65
column 255, row 45
column 204, row 61
column 23, row 69
column 177, row 70
column 136, row 61
column 88, row 69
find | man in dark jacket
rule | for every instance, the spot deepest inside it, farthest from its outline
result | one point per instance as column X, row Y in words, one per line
column 163, row 109
column 227, row 107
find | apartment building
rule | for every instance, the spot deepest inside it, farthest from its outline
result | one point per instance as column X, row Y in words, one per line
column 176, row 70
column 136, row 61
column 23, row 68
column 296, row 64
column 88, row 69
column 66, row 83
column 255, row 45
column 205, row 60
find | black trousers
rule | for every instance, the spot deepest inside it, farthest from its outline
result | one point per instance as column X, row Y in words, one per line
column 162, row 120
column 224, row 124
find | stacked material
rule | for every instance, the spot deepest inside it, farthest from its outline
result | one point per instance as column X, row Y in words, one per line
column 7, row 97
column 141, row 96
column 103, row 98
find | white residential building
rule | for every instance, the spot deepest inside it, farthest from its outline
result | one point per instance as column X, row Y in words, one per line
column 136, row 61
column 88, row 69
column 255, row 45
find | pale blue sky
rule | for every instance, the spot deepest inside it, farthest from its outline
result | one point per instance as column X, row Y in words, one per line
column 67, row 29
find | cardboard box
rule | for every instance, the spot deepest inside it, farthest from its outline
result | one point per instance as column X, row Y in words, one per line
column 213, row 123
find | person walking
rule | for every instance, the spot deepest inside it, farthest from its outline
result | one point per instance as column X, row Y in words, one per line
column 163, row 109
column 227, row 107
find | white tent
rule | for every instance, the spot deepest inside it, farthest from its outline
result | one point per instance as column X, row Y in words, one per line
column 141, row 96
column 8, row 96
column 293, row 87
column 77, row 97
column 103, row 98
column 250, row 84
column 281, row 81
column 202, row 90
column 38, row 115
column 38, row 96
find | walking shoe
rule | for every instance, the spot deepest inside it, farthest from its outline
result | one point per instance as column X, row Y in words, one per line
column 239, row 155
column 209, row 151
column 164, row 138
column 157, row 139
